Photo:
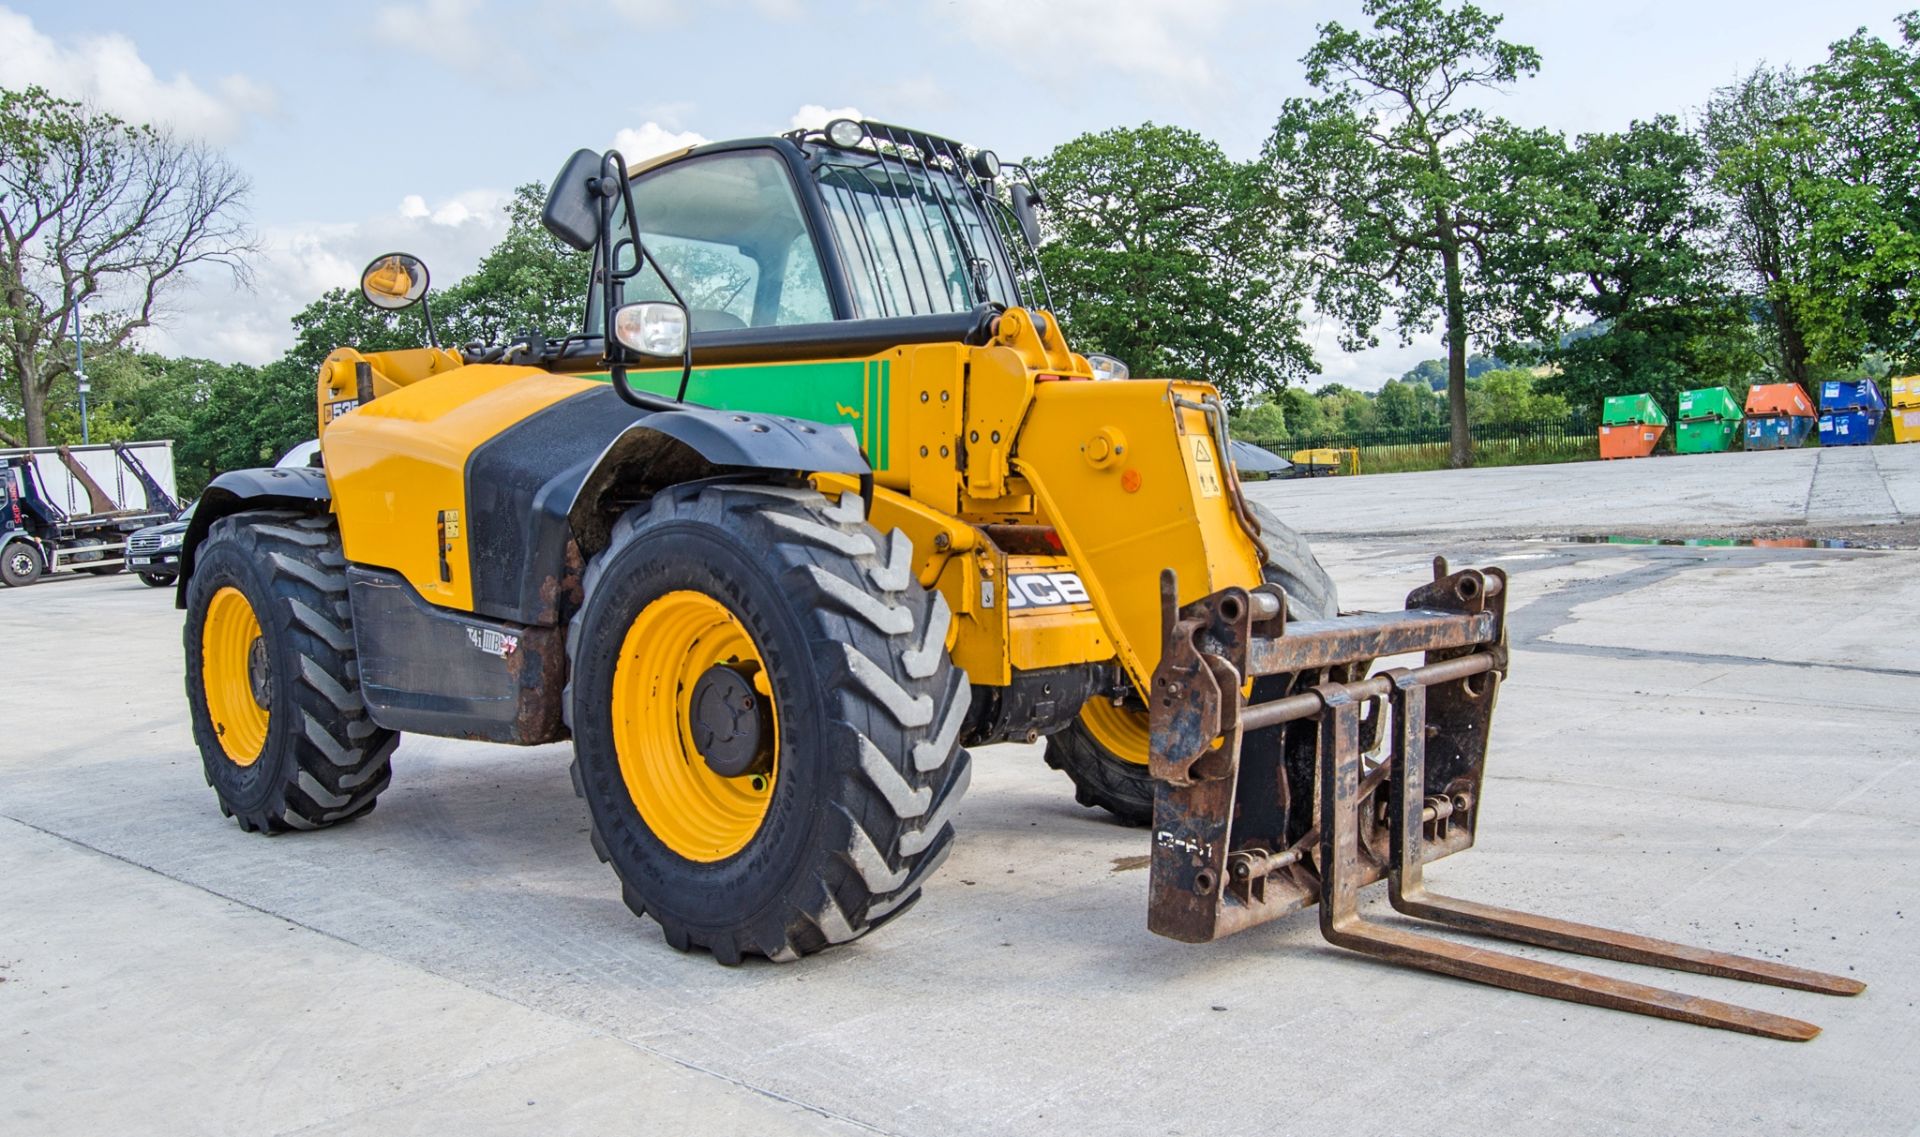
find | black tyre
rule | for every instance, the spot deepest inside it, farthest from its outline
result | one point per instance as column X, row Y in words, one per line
column 818, row 803
column 1104, row 752
column 114, row 569
column 20, row 564
column 156, row 579
column 272, row 678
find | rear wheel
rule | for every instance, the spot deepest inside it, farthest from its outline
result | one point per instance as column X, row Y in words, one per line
column 765, row 719
column 1104, row 751
column 272, row 679
column 20, row 564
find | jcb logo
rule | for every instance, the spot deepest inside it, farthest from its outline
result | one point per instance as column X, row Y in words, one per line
column 1045, row 590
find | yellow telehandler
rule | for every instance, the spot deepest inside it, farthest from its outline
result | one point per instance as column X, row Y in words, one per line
column 816, row 498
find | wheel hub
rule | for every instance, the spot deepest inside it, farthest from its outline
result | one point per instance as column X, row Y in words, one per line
column 728, row 723
column 260, row 673
column 21, row 564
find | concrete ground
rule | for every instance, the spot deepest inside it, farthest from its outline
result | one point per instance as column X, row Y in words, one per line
column 1713, row 744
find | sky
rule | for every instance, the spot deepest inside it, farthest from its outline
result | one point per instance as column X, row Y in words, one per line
column 367, row 126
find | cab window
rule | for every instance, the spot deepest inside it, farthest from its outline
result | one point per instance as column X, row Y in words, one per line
column 728, row 231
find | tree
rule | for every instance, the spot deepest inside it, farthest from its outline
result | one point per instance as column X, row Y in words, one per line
column 1403, row 198
column 1406, row 406
column 1861, row 254
column 528, row 281
column 101, row 215
column 1636, row 251
column 1757, row 139
column 1160, row 253
column 1508, row 398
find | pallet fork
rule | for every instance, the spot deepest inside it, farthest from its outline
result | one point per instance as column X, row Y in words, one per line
column 1330, row 779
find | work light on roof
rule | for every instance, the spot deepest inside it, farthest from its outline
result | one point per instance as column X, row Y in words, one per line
column 986, row 164
column 845, row 133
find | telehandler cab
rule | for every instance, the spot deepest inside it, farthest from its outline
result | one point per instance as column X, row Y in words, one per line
column 817, row 498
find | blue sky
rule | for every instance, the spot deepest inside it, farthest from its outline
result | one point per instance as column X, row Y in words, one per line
column 367, row 125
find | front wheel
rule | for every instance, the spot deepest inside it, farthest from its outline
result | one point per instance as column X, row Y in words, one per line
column 1104, row 751
column 157, row 579
column 272, row 678
column 20, row 564
column 766, row 722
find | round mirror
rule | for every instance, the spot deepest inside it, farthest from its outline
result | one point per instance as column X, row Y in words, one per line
column 394, row 281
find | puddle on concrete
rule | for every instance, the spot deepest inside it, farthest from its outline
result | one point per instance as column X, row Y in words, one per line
column 1722, row 542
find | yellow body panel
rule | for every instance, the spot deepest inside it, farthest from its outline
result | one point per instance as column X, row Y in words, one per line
column 1133, row 483
column 397, row 467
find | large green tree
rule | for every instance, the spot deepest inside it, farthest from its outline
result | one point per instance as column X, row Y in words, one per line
column 1860, row 124
column 1761, row 153
column 1406, row 200
column 99, row 217
column 1159, row 252
column 1637, row 253
column 529, row 281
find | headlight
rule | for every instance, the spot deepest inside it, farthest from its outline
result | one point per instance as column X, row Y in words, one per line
column 171, row 540
column 1107, row 367
column 845, row 133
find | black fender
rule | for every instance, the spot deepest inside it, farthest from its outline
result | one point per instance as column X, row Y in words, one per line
column 674, row 447
column 296, row 487
column 542, row 494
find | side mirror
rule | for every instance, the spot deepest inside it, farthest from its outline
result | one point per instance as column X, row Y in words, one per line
column 572, row 213
column 394, row 281
column 652, row 327
column 1026, row 210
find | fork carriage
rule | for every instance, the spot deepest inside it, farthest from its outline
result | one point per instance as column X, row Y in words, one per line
column 1330, row 777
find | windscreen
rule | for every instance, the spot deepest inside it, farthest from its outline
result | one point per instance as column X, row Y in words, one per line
column 918, row 232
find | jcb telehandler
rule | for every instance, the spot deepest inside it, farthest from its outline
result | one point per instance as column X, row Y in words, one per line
column 818, row 497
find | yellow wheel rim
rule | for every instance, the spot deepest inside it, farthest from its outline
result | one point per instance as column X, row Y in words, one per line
column 235, row 673
column 694, row 811
column 1122, row 732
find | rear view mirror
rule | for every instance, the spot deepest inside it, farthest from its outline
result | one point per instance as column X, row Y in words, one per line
column 652, row 327
column 1026, row 210
column 394, row 281
column 572, row 213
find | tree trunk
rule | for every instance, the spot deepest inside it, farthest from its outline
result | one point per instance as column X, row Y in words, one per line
column 1793, row 345
column 1461, row 455
column 33, row 401
column 36, row 415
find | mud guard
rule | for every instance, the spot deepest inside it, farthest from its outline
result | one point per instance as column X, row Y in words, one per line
column 672, row 447
column 295, row 487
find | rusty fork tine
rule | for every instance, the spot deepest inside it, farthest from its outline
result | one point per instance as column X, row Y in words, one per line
column 1341, row 924
column 1605, row 943
column 1407, row 889
column 1535, row 977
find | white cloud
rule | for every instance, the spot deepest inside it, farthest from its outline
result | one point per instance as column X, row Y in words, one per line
column 298, row 262
column 450, row 31
column 654, row 14
column 813, row 116
column 1156, row 39
column 650, row 140
column 108, row 72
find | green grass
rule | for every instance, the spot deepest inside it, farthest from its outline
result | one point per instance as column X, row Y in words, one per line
column 1498, row 452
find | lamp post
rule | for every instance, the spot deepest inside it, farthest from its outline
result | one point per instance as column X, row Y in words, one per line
column 80, row 375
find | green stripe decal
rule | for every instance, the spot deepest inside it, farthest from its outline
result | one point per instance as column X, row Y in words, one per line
column 839, row 393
